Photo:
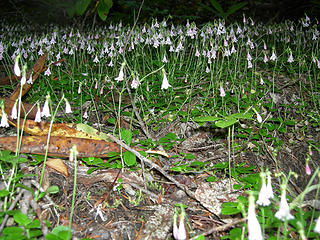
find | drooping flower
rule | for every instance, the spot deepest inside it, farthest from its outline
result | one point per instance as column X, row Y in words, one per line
column 85, row 115
column 4, row 120
column 290, row 59
column 23, row 78
column 308, row 170
column 38, row 115
column 164, row 60
column 222, row 92
column 30, row 79
column 135, row 82
column 14, row 111
column 273, row 56
column 96, row 60
column 16, row 68
column 317, row 227
column 121, row 73
column 269, row 186
column 179, row 233
column 68, row 107
column 45, row 110
column 284, row 211
column 263, row 198
column 47, row 72
column 165, row 83
column 254, row 229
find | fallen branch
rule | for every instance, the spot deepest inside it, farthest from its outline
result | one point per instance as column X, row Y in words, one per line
column 221, row 228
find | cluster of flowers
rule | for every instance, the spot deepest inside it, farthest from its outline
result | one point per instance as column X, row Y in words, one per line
column 253, row 225
column 106, row 45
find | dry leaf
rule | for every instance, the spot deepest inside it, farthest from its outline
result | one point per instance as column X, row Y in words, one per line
column 58, row 165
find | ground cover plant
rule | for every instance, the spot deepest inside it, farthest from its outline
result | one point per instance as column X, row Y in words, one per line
column 235, row 106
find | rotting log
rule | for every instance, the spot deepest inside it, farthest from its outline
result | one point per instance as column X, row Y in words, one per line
column 60, row 146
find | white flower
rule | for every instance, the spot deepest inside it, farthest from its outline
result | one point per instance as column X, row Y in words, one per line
column 259, row 118
column 263, row 198
column 68, row 107
column 269, row 186
column 165, row 84
column 222, row 92
column 4, row 120
column 284, row 210
column 254, row 229
column 121, row 73
column 16, row 68
column 30, row 79
column 317, row 227
column 273, row 56
column 14, row 112
column 85, row 115
column 164, row 60
column 290, row 59
column 45, row 110
column 23, row 79
column 47, row 72
column 135, row 82
column 179, row 233
column 38, row 115
column 96, row 60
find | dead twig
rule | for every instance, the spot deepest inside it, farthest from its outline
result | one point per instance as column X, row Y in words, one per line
column 221, row 228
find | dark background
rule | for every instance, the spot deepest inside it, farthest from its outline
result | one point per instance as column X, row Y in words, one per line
column 54, row 11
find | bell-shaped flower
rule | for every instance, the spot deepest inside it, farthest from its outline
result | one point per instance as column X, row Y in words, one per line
column 284, row 211
column 254, row 229
column 68, row 107
column 4, row 120
column 121, row 73
column 269, row 191
column 38, row 115
column 222, row 92
column 179, row 233
column 263, row 198
column 165, row 84
column 14, row 111
column 16, row 67
column 317, row 227
column 45, row 110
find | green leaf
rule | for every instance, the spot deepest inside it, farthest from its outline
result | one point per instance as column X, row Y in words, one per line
column 206, row 119
column 12, row 230
column 129, row 158
column 247, row 115
column 21, row 219
column 103, row 8
column 201, row 237
column 53, row 189
column 226, row 123
column 59, row 233
column 211, row 179
column 81, row 6
column 189, row 156
column 33, row 224
column 229, row 208
column 217, row 6
column 235, row 8
column 126, row 135
column 4, row 193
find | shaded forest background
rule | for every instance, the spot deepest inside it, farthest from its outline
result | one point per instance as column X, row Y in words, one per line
column 199, row 11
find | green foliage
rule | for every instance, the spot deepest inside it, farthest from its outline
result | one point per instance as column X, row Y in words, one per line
column 218, row 9
column 81, row 6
